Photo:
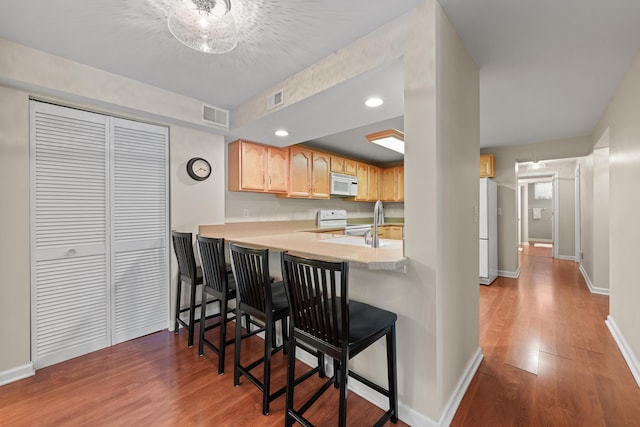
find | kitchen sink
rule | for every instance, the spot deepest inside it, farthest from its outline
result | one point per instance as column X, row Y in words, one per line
column 359, row 241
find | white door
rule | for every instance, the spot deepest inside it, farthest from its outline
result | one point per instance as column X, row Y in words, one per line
column 140, row 233
column 69, row 199
column 99, row 231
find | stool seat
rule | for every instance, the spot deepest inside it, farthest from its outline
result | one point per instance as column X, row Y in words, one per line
column 365, row 322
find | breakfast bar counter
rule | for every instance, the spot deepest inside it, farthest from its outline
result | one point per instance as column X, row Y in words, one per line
column 303, row 238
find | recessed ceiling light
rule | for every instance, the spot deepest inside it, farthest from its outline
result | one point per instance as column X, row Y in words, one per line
column 282, row 132
column 374, row 102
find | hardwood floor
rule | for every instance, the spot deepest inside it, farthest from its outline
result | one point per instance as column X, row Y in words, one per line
column 549, row 361
column 157, row 380
column 549, row 357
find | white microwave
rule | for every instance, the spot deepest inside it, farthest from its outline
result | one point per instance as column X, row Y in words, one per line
column 344, row 185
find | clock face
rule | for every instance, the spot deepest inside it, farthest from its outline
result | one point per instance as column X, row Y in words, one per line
column 198, row 169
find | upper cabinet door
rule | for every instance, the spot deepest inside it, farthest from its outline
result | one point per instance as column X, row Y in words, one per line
column 388, row 185
column 349, row 167
column 300, row 173
column 321, row 185
column 252, row 167
column 487, row 166
column 374, row 179
column 277, row 170
column 400, row 184
column 362, row 172
column 337, row 164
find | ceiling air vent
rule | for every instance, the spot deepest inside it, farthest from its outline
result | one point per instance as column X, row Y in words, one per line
column 216, row 116
column 275, row 99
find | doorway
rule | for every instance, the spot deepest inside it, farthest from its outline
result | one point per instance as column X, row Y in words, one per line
column 537, row 200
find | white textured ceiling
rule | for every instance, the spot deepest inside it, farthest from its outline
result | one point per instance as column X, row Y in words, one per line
column 547, row 68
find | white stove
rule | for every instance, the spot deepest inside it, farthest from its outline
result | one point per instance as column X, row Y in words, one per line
column 332, row 218
column 337, row 218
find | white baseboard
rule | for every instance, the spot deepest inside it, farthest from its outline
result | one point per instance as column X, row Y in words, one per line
column 567, row 258
column 509, row 274
column 625, row 349
column 592, row 289
column 17, row 373
column 407, row 414
column 461, row 388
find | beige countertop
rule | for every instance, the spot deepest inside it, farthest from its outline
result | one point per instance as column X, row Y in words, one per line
column 300, row 237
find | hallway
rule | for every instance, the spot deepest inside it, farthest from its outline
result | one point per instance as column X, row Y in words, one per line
column 549, row 359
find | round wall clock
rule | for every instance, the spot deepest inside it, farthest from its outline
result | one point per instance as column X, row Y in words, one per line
column 198, row 168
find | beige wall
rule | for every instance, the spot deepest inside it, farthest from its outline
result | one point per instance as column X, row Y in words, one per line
column 506, row 159
column 458, row 142
column 268, row 207
column 439, row 303
column 14, row 227
column 586, row 215
column 621, row 117
column 600, row 231
column 45, row 76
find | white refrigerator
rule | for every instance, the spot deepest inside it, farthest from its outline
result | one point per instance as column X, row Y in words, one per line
column 488, row 221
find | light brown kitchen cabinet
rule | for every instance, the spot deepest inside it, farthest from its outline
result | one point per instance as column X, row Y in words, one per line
column 309, row 173
column 394, row 231
column 368, row 180
column 487, row 166
column 342, row 165
column 258, row 168
column 400, row 184
column 389, row 231
column 392, row 184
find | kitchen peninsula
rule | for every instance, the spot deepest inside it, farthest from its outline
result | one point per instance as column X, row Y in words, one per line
column 303, row 238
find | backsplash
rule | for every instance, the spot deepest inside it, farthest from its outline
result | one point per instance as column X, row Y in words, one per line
column 243, row 207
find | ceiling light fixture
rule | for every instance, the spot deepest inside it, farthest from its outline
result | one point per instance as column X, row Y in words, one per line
column 204, row 25
column 536, row 165
column 282, row 132
column 391, row 138
column 374, row 102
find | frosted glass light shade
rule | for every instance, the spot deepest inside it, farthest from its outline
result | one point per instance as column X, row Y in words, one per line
column 392, row 139
column 204, row 25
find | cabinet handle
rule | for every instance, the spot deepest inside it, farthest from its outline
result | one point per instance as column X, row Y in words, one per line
column 71, row 252
column 269, row 179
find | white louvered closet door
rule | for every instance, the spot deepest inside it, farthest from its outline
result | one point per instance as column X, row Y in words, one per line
column 69, row 217
column 99, row 231
column 140, row 236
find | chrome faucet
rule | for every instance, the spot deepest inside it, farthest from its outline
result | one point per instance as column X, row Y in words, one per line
column 378, row 219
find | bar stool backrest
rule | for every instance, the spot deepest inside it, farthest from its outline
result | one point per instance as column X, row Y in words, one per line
column 318, row 301
column 183, row 247
column 251, row 272
column 214, row 268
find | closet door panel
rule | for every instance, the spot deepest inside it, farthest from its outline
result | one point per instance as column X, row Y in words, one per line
column 140, row 234
column 69, row 200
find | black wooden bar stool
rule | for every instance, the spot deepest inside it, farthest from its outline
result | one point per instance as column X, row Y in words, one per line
column 267, row 302
column 222, row 286
column 192, row 276
column 323, row 317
